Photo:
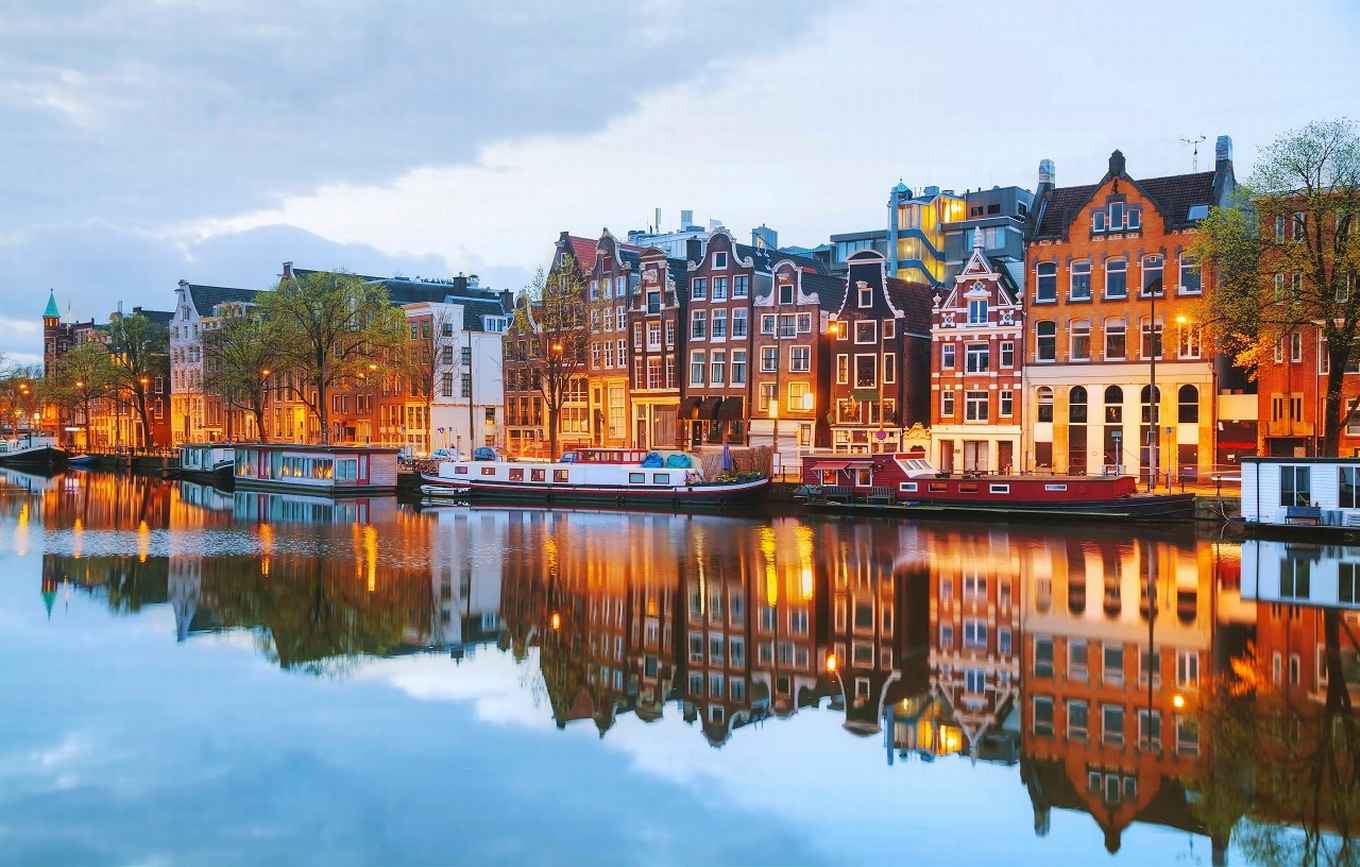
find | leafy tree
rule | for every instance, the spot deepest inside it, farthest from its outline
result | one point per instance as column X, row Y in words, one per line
column 137, row 350
column 554, row 312
column 81, row 378
column 239, row 357
column 1285, row 258
column 22, row 391
column 331, row 326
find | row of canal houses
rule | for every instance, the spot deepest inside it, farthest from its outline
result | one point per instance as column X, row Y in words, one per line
column 1078, row 352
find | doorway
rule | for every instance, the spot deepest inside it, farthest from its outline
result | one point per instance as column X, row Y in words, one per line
column 975, row 456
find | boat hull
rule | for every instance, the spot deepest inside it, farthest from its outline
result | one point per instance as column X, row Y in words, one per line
column 221, row 477
column 40, row 457
column 1154, row 507
column 688, row 496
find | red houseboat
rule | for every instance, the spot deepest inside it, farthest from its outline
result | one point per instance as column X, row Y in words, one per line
column 900, row 482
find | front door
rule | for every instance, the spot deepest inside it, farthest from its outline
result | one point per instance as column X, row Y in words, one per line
column 946, row 456
column 1005, row 456
column 974, row 456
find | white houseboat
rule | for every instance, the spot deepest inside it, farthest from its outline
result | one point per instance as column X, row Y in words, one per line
column 336, row 471
column 1301, row 573
column 1301, row 494
column 617, row 477
column 208, row 462
column 31, row 451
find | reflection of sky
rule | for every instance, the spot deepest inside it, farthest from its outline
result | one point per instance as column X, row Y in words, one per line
column 121, row 746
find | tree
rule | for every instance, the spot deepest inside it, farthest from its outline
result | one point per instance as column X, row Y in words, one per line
column 137, row 350
column 83, row 377
column 331, row 326
column 554, row 312
column 239, row 356
column 1285, row 258
column 428, row 356
column 21, row 394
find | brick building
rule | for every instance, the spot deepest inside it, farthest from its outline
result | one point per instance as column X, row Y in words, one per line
column 880, row 361
column 1112, row 295
column 977, row 334
column 614, row 277
column 656, row 316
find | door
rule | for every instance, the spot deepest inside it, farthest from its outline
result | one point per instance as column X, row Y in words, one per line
column 1005, row 456
column 642, row 434
column 974, row 456
column 946, row 456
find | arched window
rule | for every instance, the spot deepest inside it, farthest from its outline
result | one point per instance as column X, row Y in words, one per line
column 1187, row 404
column 1151, row 399
column 1076, row 405
column 1045, row 403
column 1114, row 405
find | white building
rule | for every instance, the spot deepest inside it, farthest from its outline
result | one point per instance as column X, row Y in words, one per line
column 196, row 416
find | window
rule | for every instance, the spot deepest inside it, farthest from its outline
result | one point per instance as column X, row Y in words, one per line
column 947, row 356
column 1098, row 221
column 697, row 360
column 1296, row 347
column 719, row 325
column 800, row 396
column 842, row 369
column 977, row 311
column 1152, row 275
column 1046, row 282
column 741, row 286
column 1043, row 715
column 866, row 331
column 698, row 324
column 975, row 406
column 1150, row 345
column 1187, row 669
column 1149, row 730
column 947, row 404
column 1190, row 275
column 974, row 680
column 767, row 323
column 1112, row 657
column 720, row 259
column 1295, row 575
column 976, row 357
column 1134, row 218
column 719, row 289
column 1300, row 225
column 1187, row 736
column 866, row 296
column 1187, row 340
column 1077, row 720
column 1043, row 657
column 1348, row 497
column 1045, row 400
column 889, row 329
column 889, row 368
column 718, row 369
column 1112, row 724
column 1116, row 216
column 1081, row 342
column 785, row 293
column 1187, row 404
column 1294, row 486
column 1081, row 281
column 698, row 289
column 739, row 322
column 1006, row 403
column 1115, row 339
column 1007, row 354
column 739, row 367
column 1076, row 659
column 1348, row 583
column 800, row 359
column 1045, row 340
column 1116, row 277
column 769, row 359
column 866, row 371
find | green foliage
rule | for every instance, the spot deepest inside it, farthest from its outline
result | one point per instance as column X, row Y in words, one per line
column 82, row 377
column 239, row 357
column 137, row 351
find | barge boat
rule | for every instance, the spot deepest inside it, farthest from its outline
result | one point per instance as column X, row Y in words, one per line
column 335, row 471
column 207, row 462
column 1294, row 498
column 31, row 451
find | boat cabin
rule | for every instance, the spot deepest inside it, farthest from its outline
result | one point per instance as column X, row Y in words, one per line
column 1317, row 492
column 328, row 470
column 206, row 457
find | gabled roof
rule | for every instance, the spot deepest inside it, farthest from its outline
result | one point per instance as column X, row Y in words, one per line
column 583, row 250
column 160, row 317
column 205, row 298
column 913, row 298
column 1172, row 195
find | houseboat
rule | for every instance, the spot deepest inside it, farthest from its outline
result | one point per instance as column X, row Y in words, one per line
column 1301, row 573
column 207, row 462
column 334, row 471
column 1301, row 496
column 616, row 477
column 907, row 483
column 31, row 451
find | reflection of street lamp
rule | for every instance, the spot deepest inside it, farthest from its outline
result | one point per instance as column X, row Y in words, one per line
column 556, row 621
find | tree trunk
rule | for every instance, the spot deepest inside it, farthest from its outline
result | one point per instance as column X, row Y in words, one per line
column 553, row 412
column 1332, row 407
column 257, row 410
column 323, row 412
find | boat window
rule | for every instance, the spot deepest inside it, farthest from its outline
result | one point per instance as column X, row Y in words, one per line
column 516, row 474
column 461, row 469
column 998, row 489
column 863, row 477
column 488, row 471
column 936, row 487
column 1055, row 488
column 559, row 475
column 968, row 488
column 661, row 478
column 637, row 478
column 907, row 487
column 537, row 475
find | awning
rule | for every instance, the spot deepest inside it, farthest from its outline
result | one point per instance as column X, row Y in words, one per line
column 689, row 408
column 709, row 408
column 731, row 409
column 827, row 466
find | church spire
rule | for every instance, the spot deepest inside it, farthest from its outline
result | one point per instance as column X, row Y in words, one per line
column 52, row 311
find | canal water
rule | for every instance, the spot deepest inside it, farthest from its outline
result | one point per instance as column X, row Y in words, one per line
column 195, row 677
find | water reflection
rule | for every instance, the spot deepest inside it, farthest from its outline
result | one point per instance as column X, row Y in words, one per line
column 1160, row 680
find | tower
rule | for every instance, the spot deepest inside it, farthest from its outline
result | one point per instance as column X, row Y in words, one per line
column 51, row 332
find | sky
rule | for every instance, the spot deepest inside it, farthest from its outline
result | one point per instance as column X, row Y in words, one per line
column 148, row 142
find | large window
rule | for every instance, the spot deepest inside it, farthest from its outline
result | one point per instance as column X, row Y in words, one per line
column 1045, row 403
column 718, row 369
column 769, row 359
column 739, row 322
column 800, row 359
column 866, row 371
column 697, row 361
column 976, row 356
column 698, row 324
column 1349, row 497
column 866, row 331
column 1187, row 404
column 975, row 406
column 947, row 356
column 1046, row 341
column 1150, row 345
column 977, row 311
column 1081, row 281
column 1043, row 715
column 719, row 324
column 1188, row 340
column 1081, row 341
column 1152, row 274
column 1046, row 282
column 739, row 367
column 1116, row 339
column 1116, row 278
column 1294, row 486
column 1190, row 275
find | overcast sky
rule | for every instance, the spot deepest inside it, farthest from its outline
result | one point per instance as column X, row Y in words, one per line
column 148, row 142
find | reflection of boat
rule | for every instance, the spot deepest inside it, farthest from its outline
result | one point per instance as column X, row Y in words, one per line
column 603, row 476
column 31, row 482
column 81, row 460
column 209, row 462
column 296, row 509
column 898, row 482
column 336, row 471
column 31, row 451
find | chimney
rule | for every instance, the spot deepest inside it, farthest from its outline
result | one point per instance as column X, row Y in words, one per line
column 686, row 220
column 1224, row 182
column 288, row 270
column 507, row 300
column 1222, row 151
column 694, row 249
column 656, row 227
column 1117, row 166
column 1048, row 177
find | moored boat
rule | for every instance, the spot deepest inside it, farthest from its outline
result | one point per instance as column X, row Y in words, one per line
column 336, row 471
column 909, row 484
column 1301, row 497
column 31, row 451
column 617, row 477
column 207, row 462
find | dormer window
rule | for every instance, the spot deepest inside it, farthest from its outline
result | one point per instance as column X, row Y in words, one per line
column 977, row 311
column 866, row 297
column 1116, row 216
column 786, row 293
column 720, row 259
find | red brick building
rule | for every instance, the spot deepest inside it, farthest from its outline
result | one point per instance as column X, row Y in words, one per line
column 656, row 315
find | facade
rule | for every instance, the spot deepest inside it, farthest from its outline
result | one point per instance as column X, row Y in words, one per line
column 880, row 359
column 195, row 414
column 790, row 372
column 613, row 278
column 916, row 232
column 977, row 338
column 1113, row 295
column 656, row 315
column 999, row 216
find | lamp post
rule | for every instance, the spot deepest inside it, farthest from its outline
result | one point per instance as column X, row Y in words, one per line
column 1154, row 417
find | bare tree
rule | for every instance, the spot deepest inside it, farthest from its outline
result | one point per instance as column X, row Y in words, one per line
column 554, row 314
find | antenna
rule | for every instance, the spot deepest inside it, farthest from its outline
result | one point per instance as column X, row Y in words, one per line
column 1194, row 157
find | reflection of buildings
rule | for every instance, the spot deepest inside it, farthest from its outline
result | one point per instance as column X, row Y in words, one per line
column 465, row 570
